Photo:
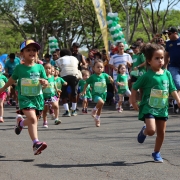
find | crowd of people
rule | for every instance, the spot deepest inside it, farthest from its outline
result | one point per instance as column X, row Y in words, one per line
column 138, row 74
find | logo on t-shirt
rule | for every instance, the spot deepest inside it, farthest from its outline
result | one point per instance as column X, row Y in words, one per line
column 166, row 84
column 34, row 75
column 170, row 45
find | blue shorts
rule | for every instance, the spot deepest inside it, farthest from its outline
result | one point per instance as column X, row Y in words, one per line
column 97, row 98
column 148, row 116
column 175, row 72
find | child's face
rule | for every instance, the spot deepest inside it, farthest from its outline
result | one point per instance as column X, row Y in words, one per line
column 29, row 53
column 157, row 60
column 136, row 50
column 48, row 69
column 52, row 71
column 56, row 73
column 1, row 68
column 98, row 68
column 122, row 70
column 85, row 76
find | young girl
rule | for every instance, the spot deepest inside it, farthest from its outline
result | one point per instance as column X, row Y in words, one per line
column 87, row 97
column 123, row 89
column 30, row 77
column 49, row 93
column 58, row 82
column 156, row 85
column 3, row 80
column 98, row 82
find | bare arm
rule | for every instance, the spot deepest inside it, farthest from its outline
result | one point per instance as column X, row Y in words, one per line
column 166, row 59
column 133, row 99
column 176, row 97
column 9, row 83
column 84, row 90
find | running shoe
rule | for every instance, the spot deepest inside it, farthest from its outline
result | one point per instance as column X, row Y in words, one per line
column 66, row 114
column 57, row 121
column 120, row 110
column 157, row 157
column 86, row 111
column 97, row 122
column 18, row 128
column 83, row 110
column 45, row 125
column 117, row 105
column 39, row 147
column 175, row 108
column 73, row 113
column 141, row 137
column 1, row 120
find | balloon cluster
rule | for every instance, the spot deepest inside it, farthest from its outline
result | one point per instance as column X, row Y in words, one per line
column 115, row 29
column 53, row 44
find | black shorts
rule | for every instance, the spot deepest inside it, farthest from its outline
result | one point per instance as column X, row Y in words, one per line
column 148, row 116
column 38, row 112
column 72, row 81
column 133, row 79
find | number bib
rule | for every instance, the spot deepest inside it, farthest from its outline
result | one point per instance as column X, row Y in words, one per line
column 134, row 73
column 99, row 87
column 2, row 83
column 124, row 86
column 58, row 85
column 158, row 98
column 49, row 89
column 30, row 87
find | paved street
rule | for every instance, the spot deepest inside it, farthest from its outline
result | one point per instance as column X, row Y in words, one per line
column 77, row 150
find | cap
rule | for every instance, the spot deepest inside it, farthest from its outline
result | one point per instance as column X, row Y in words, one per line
column 76, row 44
column 130, row 51
column 28, row 42
column 172, row 30
column 134, row 46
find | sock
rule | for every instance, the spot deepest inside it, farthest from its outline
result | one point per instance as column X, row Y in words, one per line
column 175, row 102
column 66, row 106
column 97, row 117
column 95, row 108
column 74, row 106
column 35, row 141
column 22, row 123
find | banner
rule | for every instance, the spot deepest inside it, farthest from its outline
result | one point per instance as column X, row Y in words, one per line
column 100, row 10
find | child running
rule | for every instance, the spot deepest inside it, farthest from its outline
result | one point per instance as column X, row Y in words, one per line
column 3, row 80
column 98, row 82
column 50, row 98
column 30, row 77
column 123, row 89
column 87, row 97
column 156, row 85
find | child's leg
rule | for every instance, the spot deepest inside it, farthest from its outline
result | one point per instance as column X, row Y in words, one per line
column 150, row 127
column 55, row 107
column 121, row 99
column 160, row 131
column 84, row 103
column 1, row 110
column 99, row 106
column 45, row 116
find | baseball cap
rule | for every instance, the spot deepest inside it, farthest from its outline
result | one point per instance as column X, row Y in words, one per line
column 130, row 51
column 28, row 42
column 172, row 30
column 76, row 44
column 134, row 46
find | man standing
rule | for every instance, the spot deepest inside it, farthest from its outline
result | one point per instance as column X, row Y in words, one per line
column 172, row 59
column 75, row 53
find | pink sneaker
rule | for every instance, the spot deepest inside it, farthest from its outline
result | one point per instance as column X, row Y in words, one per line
column 120, row 110
column 97, row 122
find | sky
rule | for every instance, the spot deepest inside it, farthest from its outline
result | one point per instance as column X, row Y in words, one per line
column 164, row 5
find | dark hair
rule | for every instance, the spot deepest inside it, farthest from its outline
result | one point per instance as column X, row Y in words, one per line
column 47, row 55
column 12, row 56
column 45, row 64
column 119, row 67
column 140, row 39
column 65, row 52
column 149, row 49
column 98, row 54
column 98, row 61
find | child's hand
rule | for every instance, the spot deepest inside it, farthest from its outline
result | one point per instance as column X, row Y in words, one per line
column 83, row 93
column 43, row 82
column 135, row 106
column 110, row 79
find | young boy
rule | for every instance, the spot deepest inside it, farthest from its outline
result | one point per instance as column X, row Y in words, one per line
column 31, row 77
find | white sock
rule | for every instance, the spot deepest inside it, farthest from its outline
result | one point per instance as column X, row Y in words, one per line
column 95, row 108
column 66, row 106
column 97, row 117
column 175, row 102
column 74, row 106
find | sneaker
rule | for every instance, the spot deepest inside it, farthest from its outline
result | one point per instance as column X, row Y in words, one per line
column 157, row 157
column 17, row 107
column 73, row 113
column 141, row 137
column 18, row 128
column 86, row 111
column 38, row 147
column 83, row 110
column 93, row 113
column 77, row 109
column 8, row 103
column 57, row 121
column 45, row 125
column 1, row 120
column 52, row 116
column 97, row 122
column 66, row 114
column 120, row 110
column 117, row 105
column 175, row 108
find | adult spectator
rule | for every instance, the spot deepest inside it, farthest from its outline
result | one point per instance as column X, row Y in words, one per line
column 172, row 59
column 55, row 56
column 161, row 42
column 70, row 73
column 75, row 53
column 120, row 58
column 47, row 59
column 58, row 52
column 140, row 41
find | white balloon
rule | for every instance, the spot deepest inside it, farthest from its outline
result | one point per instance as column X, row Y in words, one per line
column 110, row 22
column 122, row 40
column 118, row 26
column 121, row 33
column 126, row 46
column 115, row 14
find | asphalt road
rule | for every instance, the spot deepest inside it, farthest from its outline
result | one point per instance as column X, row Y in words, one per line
column 77, row 150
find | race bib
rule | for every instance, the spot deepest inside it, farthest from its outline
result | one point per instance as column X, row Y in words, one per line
column 58, row 85
column 49, row 89
column 124, row 86
column 134, row 73
column 2, row 83
column 99, row 87
column 158, row 98
column 30, row 87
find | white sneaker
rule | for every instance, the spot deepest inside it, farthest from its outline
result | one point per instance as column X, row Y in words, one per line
column 45, row 125
column 117, row 106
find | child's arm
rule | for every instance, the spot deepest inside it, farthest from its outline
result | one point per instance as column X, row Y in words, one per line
column 84, row 90
column 176, row 97
column 111, row 79
column 65, row 84
column 9, row 83
column 133, row 99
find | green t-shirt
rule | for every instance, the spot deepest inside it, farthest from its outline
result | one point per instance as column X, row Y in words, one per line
column 29, row 89
column 88, row 89
column 99, row 85
column 122, row 79
column 59, row 82
column 3, row 80
column 137, row 60
column 156, row 89
column 49, row 91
